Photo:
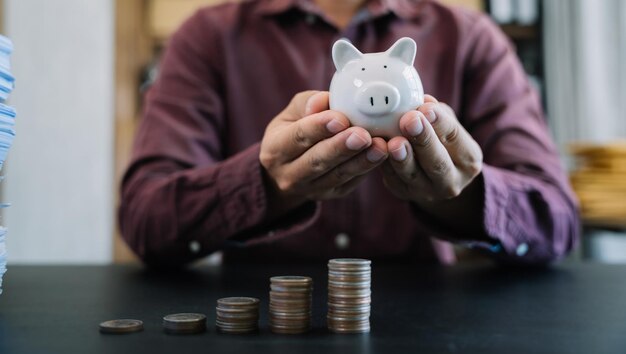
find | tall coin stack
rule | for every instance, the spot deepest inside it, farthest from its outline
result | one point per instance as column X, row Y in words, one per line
column 7, row 131
column 290, row 304
column 349, row 295
column 237, row 315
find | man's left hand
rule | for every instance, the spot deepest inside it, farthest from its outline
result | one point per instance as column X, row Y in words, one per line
column 435, row 160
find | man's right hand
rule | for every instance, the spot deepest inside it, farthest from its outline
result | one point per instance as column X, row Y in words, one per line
column 312, row 153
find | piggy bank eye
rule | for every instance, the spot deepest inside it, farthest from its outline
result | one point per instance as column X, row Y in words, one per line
column 385, row 66
column 362, row 69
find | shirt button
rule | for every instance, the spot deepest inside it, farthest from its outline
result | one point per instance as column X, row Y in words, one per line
column 310, row 19
column 194, row 246
column 522, row 249
column 342, row 241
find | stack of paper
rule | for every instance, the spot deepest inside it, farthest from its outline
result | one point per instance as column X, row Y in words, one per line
column 7, row 131
column 600, row 182
column 7, row 81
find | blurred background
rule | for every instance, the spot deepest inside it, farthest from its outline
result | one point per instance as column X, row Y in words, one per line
column 81, row 67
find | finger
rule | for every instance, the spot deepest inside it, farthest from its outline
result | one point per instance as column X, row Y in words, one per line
column 317, row 103
column 429, row 98
column 340, row 191
column 349, row 186
column 298, row 137
column 429, row 152
column 337, row 180
column 404, row 165
column 460, row 145
column 360, row 165
column 328, row 154
column 393, row 182
column 306, row 103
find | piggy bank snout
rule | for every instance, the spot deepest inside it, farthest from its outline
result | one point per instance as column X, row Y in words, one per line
column 377, row 98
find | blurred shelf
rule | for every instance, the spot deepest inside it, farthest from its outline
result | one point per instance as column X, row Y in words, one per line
column 521, row 32
column 165, row 16
column 605, row 223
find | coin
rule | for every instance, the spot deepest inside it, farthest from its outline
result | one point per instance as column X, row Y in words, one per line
column 238, row 302
column 291, row 279
column 122, row 326
column 349, row 295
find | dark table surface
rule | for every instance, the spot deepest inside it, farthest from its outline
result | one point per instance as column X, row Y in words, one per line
column 573, row 308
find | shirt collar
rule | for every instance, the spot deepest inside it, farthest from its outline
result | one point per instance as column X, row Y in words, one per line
column 406, row 9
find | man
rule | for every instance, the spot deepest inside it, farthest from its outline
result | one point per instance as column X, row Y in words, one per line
column 237, row 152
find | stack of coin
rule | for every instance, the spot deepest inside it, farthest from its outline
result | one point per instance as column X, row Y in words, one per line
column 290, row 304
column 184, row 323
column 349, row 295
column 237, row 315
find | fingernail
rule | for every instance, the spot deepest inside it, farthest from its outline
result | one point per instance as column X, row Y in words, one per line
column 431, row 116
column 355, row 142
column 415, row 126
column 399, row 154
column 374, row 155
column 334, row 126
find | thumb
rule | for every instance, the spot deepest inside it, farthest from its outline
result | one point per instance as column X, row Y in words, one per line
column 318, row 102
column 306, row 103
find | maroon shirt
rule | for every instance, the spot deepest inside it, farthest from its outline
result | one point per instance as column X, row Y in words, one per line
column 195, row 184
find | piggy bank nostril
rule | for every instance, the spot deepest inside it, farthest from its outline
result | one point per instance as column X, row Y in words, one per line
column 376, row 99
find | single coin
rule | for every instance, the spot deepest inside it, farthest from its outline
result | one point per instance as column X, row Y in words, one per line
column 291, row 279
column 238, row 316
column 237, row 301
column 245, row 310
column 346, row 294
column 292, row 289
column 349, row 284
column 184, row 318
column 338, row 273
column 365, row 329
column 350, row 261
column 237, row 330
column 122, row 326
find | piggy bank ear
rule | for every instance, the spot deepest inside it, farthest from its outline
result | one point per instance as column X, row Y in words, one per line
column 404, row 49
column 343, row 53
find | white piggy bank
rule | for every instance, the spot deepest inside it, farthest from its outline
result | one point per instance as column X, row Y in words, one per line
column 374, row 90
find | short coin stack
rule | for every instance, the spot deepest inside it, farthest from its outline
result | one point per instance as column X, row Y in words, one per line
column 123, row 326
column 290, row 304
column 184, row 323
column 237, row 315
column 349, row 295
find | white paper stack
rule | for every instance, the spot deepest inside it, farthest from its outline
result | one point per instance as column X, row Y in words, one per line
column 7, row 130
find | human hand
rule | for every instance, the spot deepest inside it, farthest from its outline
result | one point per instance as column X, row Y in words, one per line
column 435, row 159
column 311, row 153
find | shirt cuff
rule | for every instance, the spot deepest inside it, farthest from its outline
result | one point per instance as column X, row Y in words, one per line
column 499, row 214
column 506, row 237
column 246, row 205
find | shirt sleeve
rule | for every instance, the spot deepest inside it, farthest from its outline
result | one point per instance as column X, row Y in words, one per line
column 530, row 212
column 182, row 196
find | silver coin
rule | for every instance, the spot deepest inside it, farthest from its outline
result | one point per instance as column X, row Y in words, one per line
column 121, row 326
column 291, row 279
column 184, row 318
column 237, row 301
